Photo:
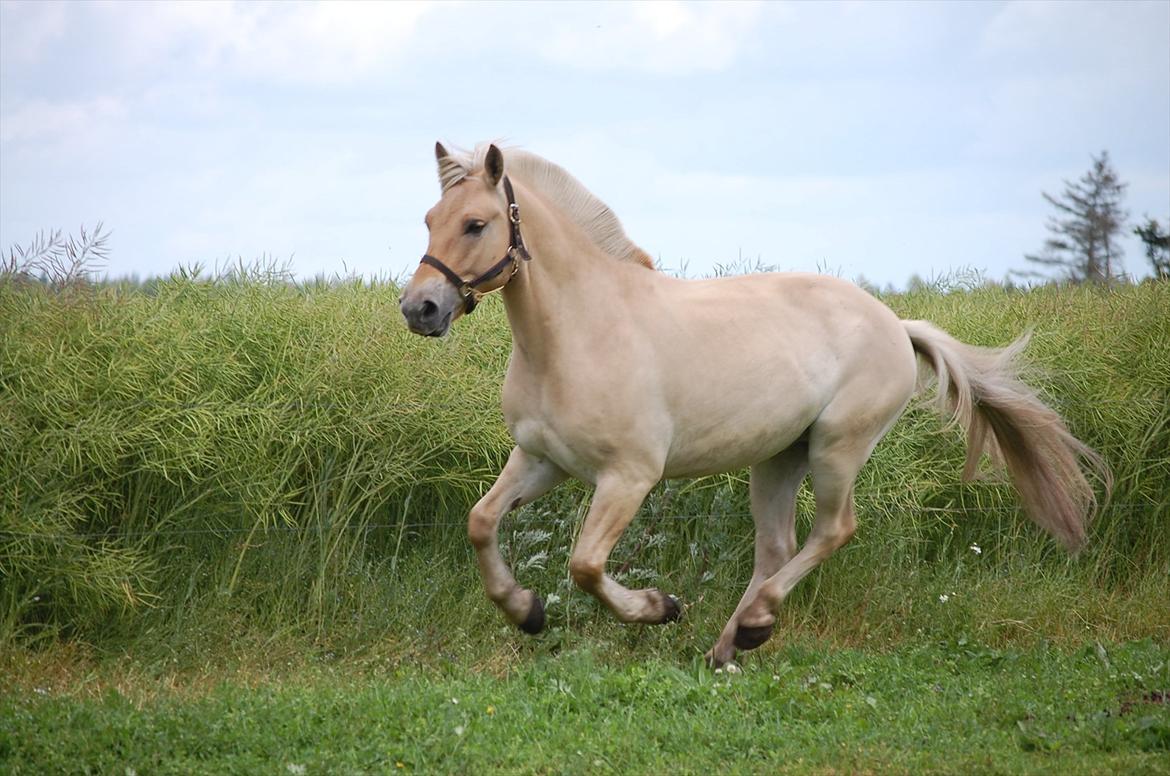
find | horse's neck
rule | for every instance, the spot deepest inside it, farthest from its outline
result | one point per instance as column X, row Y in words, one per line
column 561, row 289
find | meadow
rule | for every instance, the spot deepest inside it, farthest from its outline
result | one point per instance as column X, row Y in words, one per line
column 232, row 539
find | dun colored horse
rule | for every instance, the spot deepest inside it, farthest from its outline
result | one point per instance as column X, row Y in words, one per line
column 621, row 376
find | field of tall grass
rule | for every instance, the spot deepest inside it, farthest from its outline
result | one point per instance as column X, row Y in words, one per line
column 191, row 465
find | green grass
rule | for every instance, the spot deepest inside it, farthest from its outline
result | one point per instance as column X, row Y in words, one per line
column 197, row 456
column 232, row 539
column 939, row 708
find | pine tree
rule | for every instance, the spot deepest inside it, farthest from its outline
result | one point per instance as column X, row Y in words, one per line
column 1157, row 244
column 1084, row 242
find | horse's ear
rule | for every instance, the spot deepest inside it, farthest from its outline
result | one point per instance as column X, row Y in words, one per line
column 450, row 170
column 493, row 165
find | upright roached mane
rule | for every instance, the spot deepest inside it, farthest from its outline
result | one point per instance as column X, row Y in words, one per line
column 621, row 377
column 576, row 201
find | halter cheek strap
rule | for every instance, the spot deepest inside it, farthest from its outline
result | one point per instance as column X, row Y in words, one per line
column 468, row 289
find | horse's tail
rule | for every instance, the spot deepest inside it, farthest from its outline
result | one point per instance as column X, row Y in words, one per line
column 980, row 389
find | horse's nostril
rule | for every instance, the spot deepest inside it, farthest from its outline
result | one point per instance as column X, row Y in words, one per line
column 428, row 309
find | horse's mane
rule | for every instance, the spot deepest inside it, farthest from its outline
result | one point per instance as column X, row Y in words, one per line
column 562, row 189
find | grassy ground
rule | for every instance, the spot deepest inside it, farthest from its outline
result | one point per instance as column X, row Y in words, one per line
column 255, row 451
column 941, row 708
column 231, row 539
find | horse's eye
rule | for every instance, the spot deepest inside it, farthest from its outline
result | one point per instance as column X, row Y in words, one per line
column 474, row 227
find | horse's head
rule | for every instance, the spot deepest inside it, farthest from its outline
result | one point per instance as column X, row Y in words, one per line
column 471, row 227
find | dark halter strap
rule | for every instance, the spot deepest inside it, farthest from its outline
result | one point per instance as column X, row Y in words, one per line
column 469, row 289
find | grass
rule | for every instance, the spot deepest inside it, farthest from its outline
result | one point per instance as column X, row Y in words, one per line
column 231, row 539
column 942, row 708
column 252, row 451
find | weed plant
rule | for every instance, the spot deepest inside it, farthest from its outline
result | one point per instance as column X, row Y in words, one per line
column 243, row 460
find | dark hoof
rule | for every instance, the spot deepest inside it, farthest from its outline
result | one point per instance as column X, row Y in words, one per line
column 713, row 661
column 534, row 622
column 750, row 638
column 672, row 610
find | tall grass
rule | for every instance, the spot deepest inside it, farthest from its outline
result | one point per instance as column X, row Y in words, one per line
column 209, row 457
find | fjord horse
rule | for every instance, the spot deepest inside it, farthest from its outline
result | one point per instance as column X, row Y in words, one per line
column 621, row 376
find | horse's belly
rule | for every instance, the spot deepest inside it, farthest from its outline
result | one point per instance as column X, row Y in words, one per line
column 735, row 440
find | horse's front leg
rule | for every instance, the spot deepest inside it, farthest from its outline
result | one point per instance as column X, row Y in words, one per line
column 615, row 503
column 525, row 478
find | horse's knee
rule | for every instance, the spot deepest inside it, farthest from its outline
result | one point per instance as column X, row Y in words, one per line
column 481, row 527
column 586, row 572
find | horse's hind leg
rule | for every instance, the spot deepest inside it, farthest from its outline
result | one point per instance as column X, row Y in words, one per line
column 523, row 479
column 836, row 454
column 774, row 484
column 615, row 503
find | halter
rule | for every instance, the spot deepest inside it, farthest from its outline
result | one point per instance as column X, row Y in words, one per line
column 516, row 252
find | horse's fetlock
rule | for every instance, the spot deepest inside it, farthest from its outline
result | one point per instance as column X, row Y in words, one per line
column 498, row 594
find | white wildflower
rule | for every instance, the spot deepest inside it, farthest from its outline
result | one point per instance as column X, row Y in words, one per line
column 975, row 548
column 458, row 730
column 943, row 598
column 296, row 769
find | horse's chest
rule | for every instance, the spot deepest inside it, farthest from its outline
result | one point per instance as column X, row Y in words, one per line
column 541, row 438
column 544, row 428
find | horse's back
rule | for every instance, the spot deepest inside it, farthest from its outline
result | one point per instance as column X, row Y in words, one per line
column 821, row 329
column 749, row 363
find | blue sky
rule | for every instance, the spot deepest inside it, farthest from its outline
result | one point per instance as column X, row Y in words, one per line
column 874, row 139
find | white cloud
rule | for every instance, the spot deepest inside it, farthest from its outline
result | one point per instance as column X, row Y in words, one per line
column 669, row 38
column 878, row 138
column 324, row 42
column 27, row 29
column 1069, row 37
column 315, row 43
column 41, row 120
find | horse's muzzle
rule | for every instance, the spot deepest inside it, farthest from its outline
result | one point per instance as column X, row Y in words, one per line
column 426, row 315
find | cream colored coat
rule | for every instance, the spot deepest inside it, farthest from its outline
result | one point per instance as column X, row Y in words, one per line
column 621, row 376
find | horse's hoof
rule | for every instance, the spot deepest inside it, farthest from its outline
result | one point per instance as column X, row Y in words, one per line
column 534, row 622
column 714, row 660
column 672, row 610
column 747, row 637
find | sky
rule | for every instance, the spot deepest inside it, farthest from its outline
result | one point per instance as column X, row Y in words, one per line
column 875, row 140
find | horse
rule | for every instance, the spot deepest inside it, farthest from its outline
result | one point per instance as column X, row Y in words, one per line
column 621, row 376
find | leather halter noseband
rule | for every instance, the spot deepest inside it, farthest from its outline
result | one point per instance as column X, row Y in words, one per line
column 516, row 251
